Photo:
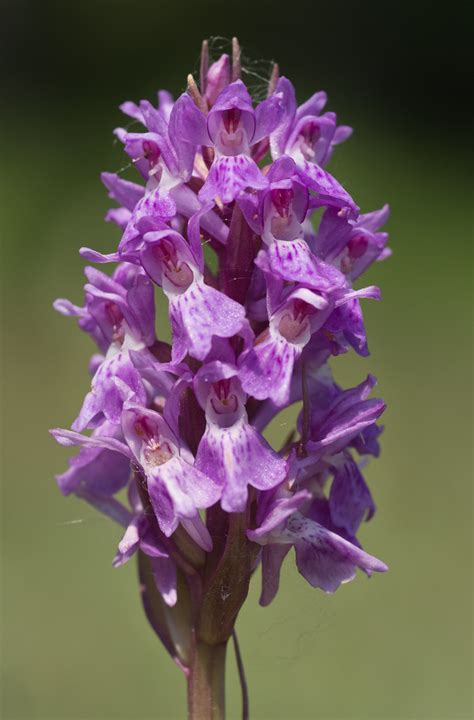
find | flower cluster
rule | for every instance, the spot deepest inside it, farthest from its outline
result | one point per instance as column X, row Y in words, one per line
column 258, row 302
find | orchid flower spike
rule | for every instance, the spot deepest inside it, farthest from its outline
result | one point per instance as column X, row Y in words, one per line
column 219, row 216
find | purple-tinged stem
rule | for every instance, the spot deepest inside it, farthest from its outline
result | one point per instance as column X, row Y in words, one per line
column 206, row 682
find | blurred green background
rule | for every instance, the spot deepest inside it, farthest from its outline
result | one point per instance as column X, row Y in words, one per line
column 75, row 643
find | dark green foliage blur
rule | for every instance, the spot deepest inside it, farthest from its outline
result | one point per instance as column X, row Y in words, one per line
column 75, row 642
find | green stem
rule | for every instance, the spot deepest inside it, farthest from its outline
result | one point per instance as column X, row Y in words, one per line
column 206, row 682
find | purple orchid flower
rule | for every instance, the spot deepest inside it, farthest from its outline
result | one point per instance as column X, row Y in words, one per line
column 309, row 137
column 282, row 210
column 176, row 488
column 338, row 416
column 119, row 314
column 231, row 128
column 231, row 451
column 260, row 302
column 198, row 312
column 350, row 245
column 266, row 369
column 138, row 112
column 323, row 557
column 165, row 160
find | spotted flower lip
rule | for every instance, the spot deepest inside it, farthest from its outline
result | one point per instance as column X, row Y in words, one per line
column 231, row 450
column 226, row 211
column 325, row 558
column 198, row 312
column 266, row 369
column 176, row 488
column 231, row 128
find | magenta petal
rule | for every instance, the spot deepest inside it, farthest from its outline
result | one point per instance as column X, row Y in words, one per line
column 338, row 433
column 350, row 501
column 342, row 416
column 234, row 95
column 230, row 175
column 132, row 110
column 292, row 260
column 272, row 560
column 188, row 123
column 200, row 313
column 100, row 470
column 279, row 136
column 126, row 193
column 280, row 508
column 374, row 220
column 140, row 298
column 198, row 532
column 177, row 489
column 313, row 105
column 164, row 573
column 218, row 77
column 327, row 187
column 69, row 438
column 325, row 559
column 265, row 370
column 106, row 395
column 157, row 203
column 187, row 204
column 238, row 456
column 268, row 115
column 129, row 543
column 343, row 132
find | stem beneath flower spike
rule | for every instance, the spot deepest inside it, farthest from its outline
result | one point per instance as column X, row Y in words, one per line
column 206, row 682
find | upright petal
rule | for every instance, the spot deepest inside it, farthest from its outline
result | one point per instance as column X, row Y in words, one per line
column 280, row 134
column 268, row 115
column 188, row 122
